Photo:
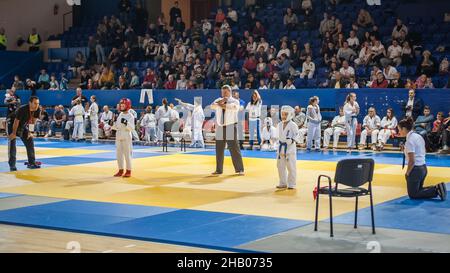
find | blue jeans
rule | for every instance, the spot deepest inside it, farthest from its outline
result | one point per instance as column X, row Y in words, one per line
column 253, row 125
column 53, row 126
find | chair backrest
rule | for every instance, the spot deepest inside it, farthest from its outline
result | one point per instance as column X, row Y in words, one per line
column 354, row 172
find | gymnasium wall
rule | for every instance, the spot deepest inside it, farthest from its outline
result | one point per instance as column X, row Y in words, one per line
column 19, row 16
column 330, row 99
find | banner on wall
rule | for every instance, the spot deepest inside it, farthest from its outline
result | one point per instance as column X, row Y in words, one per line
column 146, row 93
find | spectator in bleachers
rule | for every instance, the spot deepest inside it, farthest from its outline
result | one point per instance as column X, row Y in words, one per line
column 337, row 82
column 346, row 53
column 378, row 52
column 84, row 78
column 365, row 55
column 289, row 84
column 300, row 120
column 389, row 72
column 353, row 41
column 63, row 84
column 34, row 40
column 106, row 80
column 123, row 84
column 364, row 19
column 44, row 79
column 232, row 16
column 434, row 137
column 329, row 53
column 283, row 66
column 53, row 84
column 421, row 81
column 427, row 65
column 3, row 39
column 306, row 5
column 445, row 140
column 306, row 51
column 249, row 65
column 79, row 63
column 251, row 45
column 352, row 84
column 393, row 54
column 326, row 25
column 216, row 66
column 206, row 27
column 31, row 85
column 259, row 31
column 115, row 58
column 428, row 84
column 308, row 69
column 170, row 83
column 182, row 83
column 396, row 82
column 275, row 82
column 220, row 17
column 424, row 123
column 262, row 85
column 398, row 29
column 134, row 82
column 290, row 20
column 161, row 22
column 444, row 67
column 347, row 71
column 175, row 12
column 380, row 81
column 18, row 84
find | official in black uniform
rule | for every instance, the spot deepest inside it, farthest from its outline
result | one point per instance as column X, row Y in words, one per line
column 21, row 124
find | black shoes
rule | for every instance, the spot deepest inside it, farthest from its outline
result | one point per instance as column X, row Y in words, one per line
column 442, row 191
column 33, row 166
column 12, row 169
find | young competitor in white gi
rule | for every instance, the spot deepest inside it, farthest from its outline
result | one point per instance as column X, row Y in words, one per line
column 93, row 118
column 336, row 129
column 287, row 149
column 148, row 122
column 162, row 116
column 314, row 118
column 371, row 125
column 197, row 117
column 351, row 112
column 78, row 120
column 124, row 127
column 254, row 120
column 269, row 136
column 388, row 128
column 106, row 118
column 134, row 133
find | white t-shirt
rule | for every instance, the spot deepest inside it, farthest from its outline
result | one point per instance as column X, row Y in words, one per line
column 415, row 144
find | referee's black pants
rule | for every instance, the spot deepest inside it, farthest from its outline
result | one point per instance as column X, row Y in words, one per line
column 28, row 142
column 415, row 181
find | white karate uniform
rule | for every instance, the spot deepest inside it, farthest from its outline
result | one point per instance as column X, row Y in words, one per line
column 314, row 118
column 134, row 133
column 387, row 129
column 351, row 122
column 148, row 122
column 78, row 121
column 336, row 129
column 93, row 117
column 162, row 116
column 254, row 114
column 373, row 123
column 124, row 140
column 287, row 154
column 105, row 118
column 196, row 123
column 269, row 136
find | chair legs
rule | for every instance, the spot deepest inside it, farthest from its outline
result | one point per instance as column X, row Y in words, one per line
column 317, row 212
column 356, row 213
column 371, row 210
column 331, row 216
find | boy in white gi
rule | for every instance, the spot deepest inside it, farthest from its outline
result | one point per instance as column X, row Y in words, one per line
column 93, row 117
column 336, row 129
column 314, row 118
column 78, row 120
column 197, row 117
column 269, row 136
column 148, row 122
column 371, row 125
column 124, row 127
column 287, row 149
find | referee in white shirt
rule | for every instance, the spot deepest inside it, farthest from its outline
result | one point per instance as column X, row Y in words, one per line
column 227, row 109
column 416, row 172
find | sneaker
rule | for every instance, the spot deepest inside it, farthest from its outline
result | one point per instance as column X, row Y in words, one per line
column 442, row 191
column 281, row 186
column 291, row 188
column 127, row 174
column 119, row 173
column 33, row 166
column 240, row 173
column 216, row 173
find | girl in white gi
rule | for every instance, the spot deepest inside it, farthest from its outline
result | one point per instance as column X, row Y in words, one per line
column 197, row 117
column 93, row 117
column 78, row 120
column 254, row 113
column 106, row 119
column 148, row 122
column 351, row 111
column 314, row 118
column 123, row 126
column 287, row 149
column 269, row 136
column 388, row 126
column 162, row 116
column 336, row 129
column 371, row 125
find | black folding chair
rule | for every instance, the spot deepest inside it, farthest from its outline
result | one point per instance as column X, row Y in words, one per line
column 169, row 128
column 352, row 173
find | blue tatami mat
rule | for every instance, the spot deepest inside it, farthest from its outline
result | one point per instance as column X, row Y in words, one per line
column 215, row 230
column 406, row 214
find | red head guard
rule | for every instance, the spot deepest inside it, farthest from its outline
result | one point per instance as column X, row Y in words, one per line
column 127, row 104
